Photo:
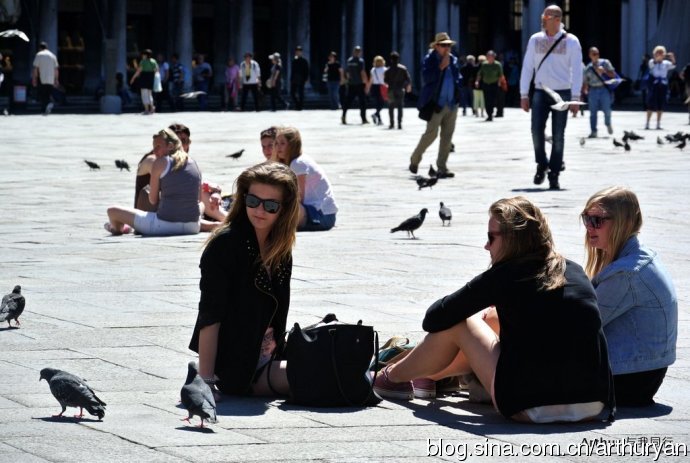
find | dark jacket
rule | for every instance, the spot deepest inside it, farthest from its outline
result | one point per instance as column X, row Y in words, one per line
column 237, row 293
column 431, row 75
column 300, row 70
column 553, row 349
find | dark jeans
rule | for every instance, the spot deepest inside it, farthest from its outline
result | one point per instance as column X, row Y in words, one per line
column 44, row 93
column 541, row 108
column 490, row 91
column 500, row 102
column 159, row 97
column 246, row 88
column 465, row 98
column 638, row 389
column 202, row 86
column 276, row 98
column 177, row 90
column 297, row 94
column 375, row 92
column 356, row 91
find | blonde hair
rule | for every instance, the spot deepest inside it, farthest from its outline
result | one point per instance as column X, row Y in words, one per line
column 378, row 60
column 481, row 58
column 525, row 234
column 294, row 140
column 623, row 208
column 281, row 238
column 659, row 48
column 177, row 154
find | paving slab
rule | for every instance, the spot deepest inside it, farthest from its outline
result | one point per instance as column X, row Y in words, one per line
column 119, row 311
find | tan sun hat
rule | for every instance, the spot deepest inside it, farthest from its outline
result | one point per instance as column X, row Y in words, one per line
column 441, row 37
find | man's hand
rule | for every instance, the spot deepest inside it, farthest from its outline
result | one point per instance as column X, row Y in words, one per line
column 524, row 104
column 445, row 61
column 574, row 108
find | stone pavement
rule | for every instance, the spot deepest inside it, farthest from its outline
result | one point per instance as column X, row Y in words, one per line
column 119, row 310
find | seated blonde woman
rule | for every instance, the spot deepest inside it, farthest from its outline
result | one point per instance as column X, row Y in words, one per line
column 175, row 185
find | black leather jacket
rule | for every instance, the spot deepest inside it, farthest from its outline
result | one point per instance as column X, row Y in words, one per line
column 237, row 292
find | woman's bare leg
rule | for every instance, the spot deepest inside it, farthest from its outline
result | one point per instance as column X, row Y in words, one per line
column 278, row 371
column 120, row 216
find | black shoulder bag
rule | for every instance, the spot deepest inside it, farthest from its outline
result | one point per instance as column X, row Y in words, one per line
column 328, row 364
column 531, row 83
column 428, row 110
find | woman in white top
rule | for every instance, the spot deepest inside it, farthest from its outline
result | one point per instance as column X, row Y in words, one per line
column 659, row 67
column 376, row 86
column 317, row 203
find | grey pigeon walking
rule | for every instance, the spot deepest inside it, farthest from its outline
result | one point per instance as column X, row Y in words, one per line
column 12, row 306
column 72, row 391
column 445, row 214
column 92, row 165
column 235, row 155
column 197, row 397
column 659, row 141
column 617, row 144
column 411, row 224
column 121, row 164
column 423, row 182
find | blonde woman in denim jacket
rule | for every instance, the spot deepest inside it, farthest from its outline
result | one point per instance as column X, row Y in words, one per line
column 637, row 300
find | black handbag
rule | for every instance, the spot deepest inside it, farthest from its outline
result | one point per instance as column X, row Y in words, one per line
column 328, row 364
column 428, row 110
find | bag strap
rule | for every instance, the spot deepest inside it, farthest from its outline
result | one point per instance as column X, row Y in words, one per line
column 549, row 52
column 334, row 362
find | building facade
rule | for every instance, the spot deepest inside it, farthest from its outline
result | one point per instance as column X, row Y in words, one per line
column 94, row 39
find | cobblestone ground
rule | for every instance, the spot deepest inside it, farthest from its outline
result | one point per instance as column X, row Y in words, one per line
column 119, row 310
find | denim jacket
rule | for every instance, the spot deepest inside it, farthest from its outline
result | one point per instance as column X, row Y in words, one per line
column 431, row 74
column 639, row 310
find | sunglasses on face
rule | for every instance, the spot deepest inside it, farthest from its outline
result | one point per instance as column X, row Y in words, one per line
column 492, row 236
column 594, row 221
column 270, row 205
column 444, row 45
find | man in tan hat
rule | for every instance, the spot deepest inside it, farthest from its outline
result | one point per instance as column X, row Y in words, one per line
column 441, row 91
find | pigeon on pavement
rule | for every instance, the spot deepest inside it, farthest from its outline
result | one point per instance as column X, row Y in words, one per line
column 626, row 145
column 197, row 397
column 12, row 306
column 72, row 391
column 235, row 155
column 445, row 214
column 582, row 141
column 659, row 141
column 682, row 145
column 92, row 165
column 411, row 224
column 632, row 135
column 617, row 144
column 121, row 164
column 424, row 182
column 559, row 104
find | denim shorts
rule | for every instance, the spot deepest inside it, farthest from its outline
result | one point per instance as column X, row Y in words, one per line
column 148, row 223
column 316, row 220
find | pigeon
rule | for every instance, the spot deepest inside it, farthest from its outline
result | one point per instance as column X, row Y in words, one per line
column 432, row 171
column 72, row 391
column 235, row 155
column 632, row 135
column 197, row 397
column 190, row 95
column 560, row 105
column 12, row 306
column 626, row 145
column 14, row 33
column 411, row 224
column 682, row 145
column 626, row 137
column 445, row 214
column 659, row 141
column 617, row 144
column 121, row 164
column 92, row 165
column 582, row 141
column 424, row 182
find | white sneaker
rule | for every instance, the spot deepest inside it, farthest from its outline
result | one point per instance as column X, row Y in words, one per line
column 49, row 108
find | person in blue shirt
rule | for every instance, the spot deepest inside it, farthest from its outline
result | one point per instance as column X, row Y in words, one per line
column 442, row 81
column 637, row 300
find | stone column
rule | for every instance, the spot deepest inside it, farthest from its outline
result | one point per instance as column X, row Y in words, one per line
column 357, row 25
column 94, row 31
column 633, row 36
column 221, row 42
column 48, row 28
column 531, row 20
column 454, row 28
column 185, row 43
column 406, row 42
column 246, row 28
column 118, row 32
column 442, row 21
column 114, row 51
column 299, row 35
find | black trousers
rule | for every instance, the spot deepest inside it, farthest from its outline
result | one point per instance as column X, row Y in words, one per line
column 490, row 91
column 297, row 94
column 44, row 93
column 638, row 389
column 356, row 91
column 246, row 88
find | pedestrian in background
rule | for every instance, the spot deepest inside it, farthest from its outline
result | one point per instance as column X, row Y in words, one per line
column 468, row 71
column 334, row 76
column 250, row 81
column 232, row 85
column 478, row 101
column 487, row 79
column 554, row 59
column 45, row 76
column 202, row 75
column 659, row 66
column 442, row 82
column 274, row 82
column 356, row 77
column 599, row 97
column 376, row 86
column 146, row 71
column 399, row 82
column 177, row 74
column 298, row 78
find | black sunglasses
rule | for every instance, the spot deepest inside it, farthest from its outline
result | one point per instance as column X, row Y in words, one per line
column 594, row 221
column 492, row 236
column 444, row 45
column 270, row 205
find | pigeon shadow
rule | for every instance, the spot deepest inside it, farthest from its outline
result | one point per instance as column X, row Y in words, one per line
column 66, row 419
column 7, row 328
column 531, row 190
column 191, row 428
column 651, row 411
column 287, row 406
column 244, row 406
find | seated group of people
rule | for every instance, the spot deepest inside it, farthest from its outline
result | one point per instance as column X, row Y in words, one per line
column 171, row 198
column 549, row 340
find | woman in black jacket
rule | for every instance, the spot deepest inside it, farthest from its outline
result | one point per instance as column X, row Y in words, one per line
column 245, row 285
column 549, row 362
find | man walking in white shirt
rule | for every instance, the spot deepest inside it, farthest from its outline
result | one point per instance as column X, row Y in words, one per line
column 45, row 76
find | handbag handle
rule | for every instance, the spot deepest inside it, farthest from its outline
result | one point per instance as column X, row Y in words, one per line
column 332, row 333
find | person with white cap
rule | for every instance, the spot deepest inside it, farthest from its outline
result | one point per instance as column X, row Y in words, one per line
column 274, row 82
column 442, row 83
